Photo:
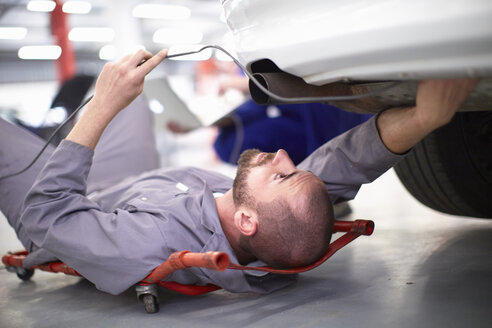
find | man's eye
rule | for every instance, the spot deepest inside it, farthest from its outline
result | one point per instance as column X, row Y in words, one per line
column 279, row 176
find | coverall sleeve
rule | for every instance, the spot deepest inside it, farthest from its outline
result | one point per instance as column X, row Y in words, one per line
column 112, row 250
column 346, row 162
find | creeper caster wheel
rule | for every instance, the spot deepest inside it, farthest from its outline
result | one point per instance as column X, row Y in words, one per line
column 150, row 303
column 24, row 274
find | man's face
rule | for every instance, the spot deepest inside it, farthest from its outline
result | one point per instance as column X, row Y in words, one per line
column 266, row 176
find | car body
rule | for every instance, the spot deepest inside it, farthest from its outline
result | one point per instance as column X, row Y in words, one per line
column 324, row 41
column 323, row 47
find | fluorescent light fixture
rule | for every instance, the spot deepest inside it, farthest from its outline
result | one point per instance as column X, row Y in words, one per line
column 158, row 11
column 177, row 35
column 13, row 33
column 108, row 52
column 55, row 116
column 91, row 34
column 40, row 52
column 41, row 5
column 155, row 106
column 77, row 7
column 204, row 55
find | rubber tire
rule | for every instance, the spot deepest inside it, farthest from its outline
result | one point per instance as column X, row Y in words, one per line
column 150, row 303
column 451, row 169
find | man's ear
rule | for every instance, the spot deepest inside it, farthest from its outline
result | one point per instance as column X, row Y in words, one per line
column 246, row 221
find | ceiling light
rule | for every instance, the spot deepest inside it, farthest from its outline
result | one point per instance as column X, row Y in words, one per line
column 174, row 35
column 77, row 7
column 158, row 11
column 13, row 33
column 156, row 106
column 108, row 52
column 39, row 52
column 91, row 34
column 203, row 55
column 41, row 5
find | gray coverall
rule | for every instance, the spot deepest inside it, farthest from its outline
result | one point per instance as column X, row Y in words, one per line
column 113, row 215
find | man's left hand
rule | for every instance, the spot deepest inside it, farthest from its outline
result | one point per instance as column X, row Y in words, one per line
column 438, row 100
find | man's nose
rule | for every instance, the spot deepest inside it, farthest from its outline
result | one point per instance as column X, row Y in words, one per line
column 281, row 157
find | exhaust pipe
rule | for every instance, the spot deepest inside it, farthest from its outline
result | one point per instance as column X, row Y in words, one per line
column 287, row 85
column 290, row 86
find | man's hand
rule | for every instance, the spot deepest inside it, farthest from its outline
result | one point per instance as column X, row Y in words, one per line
column 116, row 87
column 437, row 102
column 121, row 82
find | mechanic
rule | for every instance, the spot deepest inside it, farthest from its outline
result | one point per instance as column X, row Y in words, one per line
column 84, row 205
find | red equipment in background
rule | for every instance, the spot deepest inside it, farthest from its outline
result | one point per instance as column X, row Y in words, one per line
column 66, row 64
column 147, row 288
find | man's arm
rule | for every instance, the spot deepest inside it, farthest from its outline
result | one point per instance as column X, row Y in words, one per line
column 59, row 218
column 365, row 152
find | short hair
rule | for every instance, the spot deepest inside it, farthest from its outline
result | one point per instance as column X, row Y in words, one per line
column 292, row 237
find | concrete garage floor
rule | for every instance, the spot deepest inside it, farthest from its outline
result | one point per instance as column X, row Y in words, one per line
column 420, row 268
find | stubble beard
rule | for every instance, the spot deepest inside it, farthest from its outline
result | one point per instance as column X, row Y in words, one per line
column 241, row 193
